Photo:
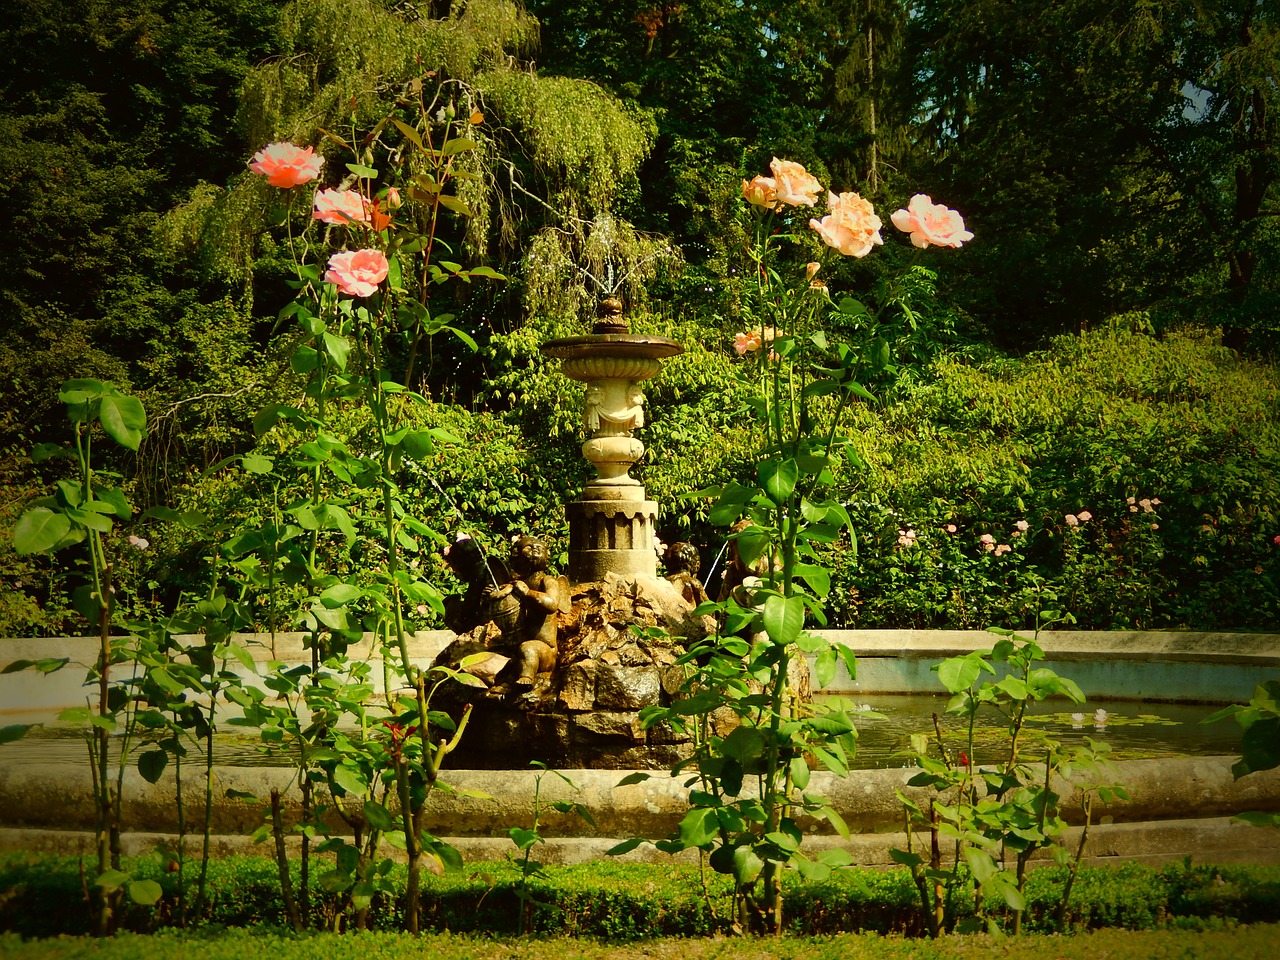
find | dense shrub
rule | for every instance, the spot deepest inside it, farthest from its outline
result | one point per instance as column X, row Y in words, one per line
column 1145, row 471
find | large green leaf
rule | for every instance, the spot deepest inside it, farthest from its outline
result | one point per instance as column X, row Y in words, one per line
column 123, row 418
column 778, row 478
column 39, row 530
column 783, row 618
column 699, row 827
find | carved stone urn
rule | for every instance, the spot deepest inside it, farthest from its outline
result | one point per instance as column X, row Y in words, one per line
column 612, row 524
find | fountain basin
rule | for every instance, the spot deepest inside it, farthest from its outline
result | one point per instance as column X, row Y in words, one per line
column 1180, row 807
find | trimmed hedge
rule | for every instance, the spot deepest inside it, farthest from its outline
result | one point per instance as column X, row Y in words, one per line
column 621, row 902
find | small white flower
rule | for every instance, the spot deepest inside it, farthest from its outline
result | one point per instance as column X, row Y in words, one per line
column 1077, row 720
column 1100, row 717
column 138, row 543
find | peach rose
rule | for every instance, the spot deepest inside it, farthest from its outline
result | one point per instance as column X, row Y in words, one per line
column 285, row 165
column 760, row 192
column 357, row 273
column 340, row 207
column 931, row 223
column 752, row 340
column 348, row 206
column 796, row 186
column 852, row 226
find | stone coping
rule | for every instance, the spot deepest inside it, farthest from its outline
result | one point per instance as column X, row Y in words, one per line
column 1250, row 649
column 59, row 796
column 1179, row 808
column 1211, row 840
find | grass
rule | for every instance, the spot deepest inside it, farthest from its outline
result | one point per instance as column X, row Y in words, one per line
column 1254, row 942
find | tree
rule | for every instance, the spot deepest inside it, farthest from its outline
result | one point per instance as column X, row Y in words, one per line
column 1113, row 157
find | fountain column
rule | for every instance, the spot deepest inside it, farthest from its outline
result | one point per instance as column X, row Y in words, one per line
column 612, row 524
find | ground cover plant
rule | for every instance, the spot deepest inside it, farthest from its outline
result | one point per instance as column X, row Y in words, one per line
column 630, row 902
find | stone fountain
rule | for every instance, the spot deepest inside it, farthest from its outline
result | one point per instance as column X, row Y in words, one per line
column 571, row 696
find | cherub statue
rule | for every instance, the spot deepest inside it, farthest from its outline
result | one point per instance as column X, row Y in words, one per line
column 542, row 599
column 682, row 562
column 468, row 610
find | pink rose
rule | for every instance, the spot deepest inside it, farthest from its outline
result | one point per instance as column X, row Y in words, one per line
column 357, row 273
column 348, row 206
column 761, row 192
column 340, row 207
column 1022, row 526
column 931, row 223
column 796, row 187
column 950, row 528
column 285, row 165
column 392, row 198
column 1275, row 539
column 852, row 226
column 1084, row 516
column 1003, row 548
column 1072, row 520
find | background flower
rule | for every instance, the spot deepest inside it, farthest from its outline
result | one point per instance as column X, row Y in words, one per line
column 760, row 192
column 931, row 223
column 286, row 165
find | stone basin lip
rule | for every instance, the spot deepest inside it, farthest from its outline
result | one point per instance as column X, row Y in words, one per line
column 1173, row 646
column 1253, row 649
column 637, row 345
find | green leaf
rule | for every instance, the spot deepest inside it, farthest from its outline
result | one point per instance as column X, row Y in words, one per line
column 418, row 444
column 699, row 827
column 746, row 864
column 378, row 816
column 151, row 765
column 360, row 170
column 626, row 846
column 338, row 348
column 124, row 419
column 457, row 145
column 39, row 530
column 111, row 879
column 980, row 863
column 959, row 673
column 523, row 838
column 340, row 594
column 350, row 779
column 15, row 731
column 778, row 478
column 783, row 618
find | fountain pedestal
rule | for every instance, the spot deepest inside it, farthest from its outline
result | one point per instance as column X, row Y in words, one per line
column 612, row 524
column 585, row 710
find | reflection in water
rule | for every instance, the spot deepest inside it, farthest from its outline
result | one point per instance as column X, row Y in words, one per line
column 1134, row 730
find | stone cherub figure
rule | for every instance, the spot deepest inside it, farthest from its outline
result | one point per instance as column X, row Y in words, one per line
column 682, row 562
column 542, row 599
column 510, row 609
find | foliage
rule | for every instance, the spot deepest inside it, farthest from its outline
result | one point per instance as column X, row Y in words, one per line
column 998, row 807
column 1260, row 721
column 1169, row 444
column 627, row 902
